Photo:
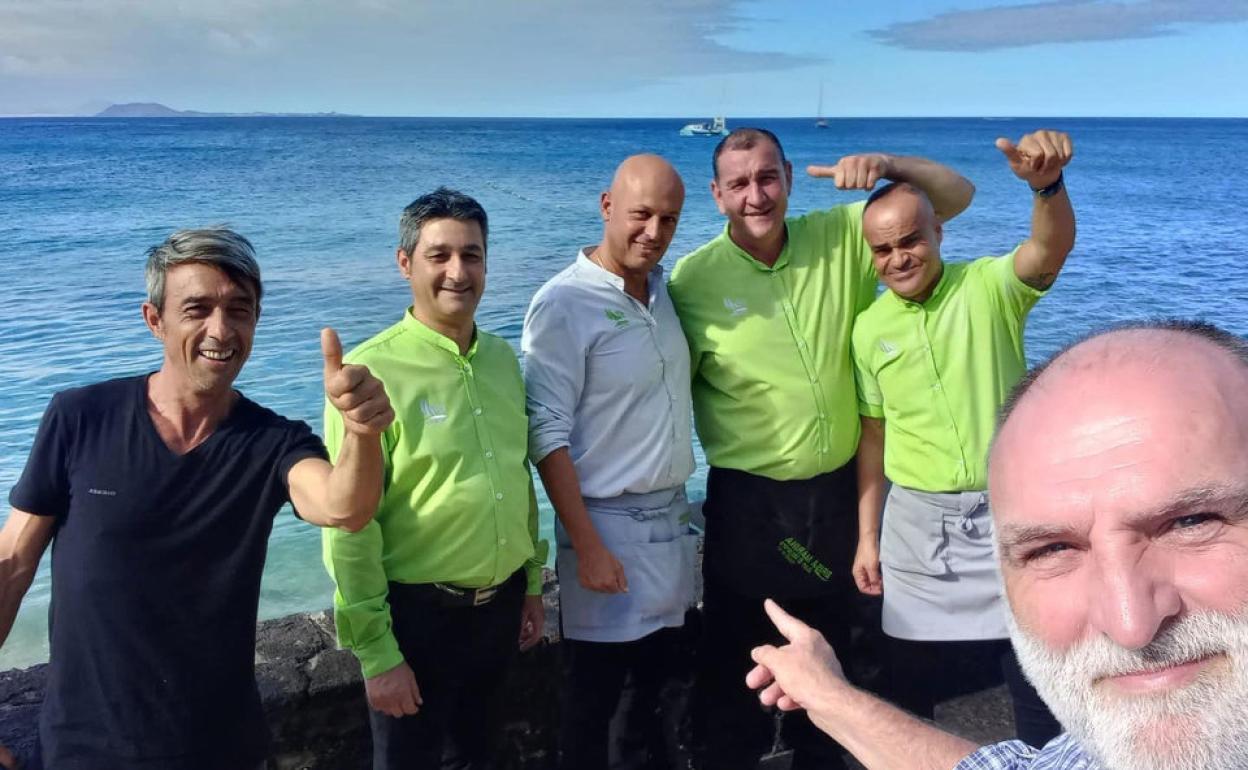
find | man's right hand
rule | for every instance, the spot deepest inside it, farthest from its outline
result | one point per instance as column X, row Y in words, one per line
column 866, row 568
column 796, row 675
column 597, row 569
column 394, row 692
column 7, row 760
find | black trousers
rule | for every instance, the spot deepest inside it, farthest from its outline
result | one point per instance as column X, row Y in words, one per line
column 621, row 705
column 926, row 672
column 460, row 656
column 792, row 541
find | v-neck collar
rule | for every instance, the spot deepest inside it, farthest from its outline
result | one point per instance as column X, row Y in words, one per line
column 145, row 417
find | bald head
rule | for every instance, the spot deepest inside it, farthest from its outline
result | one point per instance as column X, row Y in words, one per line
column 1178, row 372
column 638, row 172
column 639, row 212
column 904, row 234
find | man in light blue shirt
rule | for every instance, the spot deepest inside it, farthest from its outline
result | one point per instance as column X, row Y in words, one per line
column 1119, row 479
column 607, row 379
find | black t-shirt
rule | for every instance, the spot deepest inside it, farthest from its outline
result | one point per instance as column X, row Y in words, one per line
column 156, row 567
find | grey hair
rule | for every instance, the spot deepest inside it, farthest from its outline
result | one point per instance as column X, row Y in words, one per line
column 217, row 246
column 442, row 203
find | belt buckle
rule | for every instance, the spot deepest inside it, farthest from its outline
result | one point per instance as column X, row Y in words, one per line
column 483, row 595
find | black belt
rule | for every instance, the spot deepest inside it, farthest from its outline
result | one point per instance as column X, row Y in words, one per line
column 448, row 595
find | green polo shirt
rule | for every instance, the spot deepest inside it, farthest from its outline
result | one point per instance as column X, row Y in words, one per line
column 773, row 384
column 937, row 372
column 458, row 505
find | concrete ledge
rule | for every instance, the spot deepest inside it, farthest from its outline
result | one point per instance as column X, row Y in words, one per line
column 314, row 699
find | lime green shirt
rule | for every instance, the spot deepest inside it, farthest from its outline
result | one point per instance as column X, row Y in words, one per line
column 773, row 384
column 458, row 504
column 937, row 372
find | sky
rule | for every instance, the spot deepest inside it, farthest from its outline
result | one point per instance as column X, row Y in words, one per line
column 630, row 58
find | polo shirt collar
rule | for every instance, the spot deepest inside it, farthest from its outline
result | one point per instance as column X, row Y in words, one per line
column 600, row 273
column 782, row 261
column 437, row 339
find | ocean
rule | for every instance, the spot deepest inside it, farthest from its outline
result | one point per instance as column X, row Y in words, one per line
column 1160, row 205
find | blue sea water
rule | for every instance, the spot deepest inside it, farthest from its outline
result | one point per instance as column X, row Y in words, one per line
column 1161, row 208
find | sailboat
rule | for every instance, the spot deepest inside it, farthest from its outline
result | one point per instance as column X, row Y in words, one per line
column 820, row 120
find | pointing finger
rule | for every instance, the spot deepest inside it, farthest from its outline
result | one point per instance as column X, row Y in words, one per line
column 786, row 624
column 822, row 172
column 1008, row 149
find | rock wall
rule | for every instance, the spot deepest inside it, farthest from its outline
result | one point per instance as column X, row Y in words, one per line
column 314, row 699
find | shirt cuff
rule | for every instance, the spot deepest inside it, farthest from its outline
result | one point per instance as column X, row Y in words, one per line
column 379, row 655
column 871, row 410
column 533, row 576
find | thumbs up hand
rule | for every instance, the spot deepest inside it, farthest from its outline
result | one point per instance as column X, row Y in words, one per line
column 1039, row 157
column 354, row 391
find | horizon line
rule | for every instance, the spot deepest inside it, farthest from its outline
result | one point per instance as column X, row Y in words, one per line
column 334, row 115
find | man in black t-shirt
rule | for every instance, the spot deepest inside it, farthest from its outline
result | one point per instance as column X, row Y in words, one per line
column 158, row 494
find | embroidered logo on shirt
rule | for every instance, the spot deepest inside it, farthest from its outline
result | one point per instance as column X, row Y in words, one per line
column 104, row 492
column 616, row 317
column 735, row 307
column 432, row 412
column 888, row 348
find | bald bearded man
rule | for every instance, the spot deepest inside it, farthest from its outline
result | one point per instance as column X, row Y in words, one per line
column 1120, row 502
column 607, row 380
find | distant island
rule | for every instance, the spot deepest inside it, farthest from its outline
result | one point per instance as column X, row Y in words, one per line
column 154, row 110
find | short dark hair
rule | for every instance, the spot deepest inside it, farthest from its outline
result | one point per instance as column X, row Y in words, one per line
column 745, row 138
column 218, row 246
column 1235, row 345
column 442, row 203
column 888, row 190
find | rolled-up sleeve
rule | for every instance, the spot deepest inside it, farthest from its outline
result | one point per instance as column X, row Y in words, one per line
column 554, row 374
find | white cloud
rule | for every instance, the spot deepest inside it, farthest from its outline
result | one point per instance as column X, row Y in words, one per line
column 1057, row 21
column 410, row 53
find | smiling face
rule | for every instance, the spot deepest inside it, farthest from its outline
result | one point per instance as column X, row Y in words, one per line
column 206, row 325
column 1120, row 495
column 751, row 188
column 446, row 271
column 640, row 213
column 904, row 235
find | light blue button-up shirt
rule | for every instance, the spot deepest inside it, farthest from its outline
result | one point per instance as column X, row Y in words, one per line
column 1061, row 753
column 608, row 377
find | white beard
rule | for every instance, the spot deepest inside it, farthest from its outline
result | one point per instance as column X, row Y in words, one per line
column 1202, row 726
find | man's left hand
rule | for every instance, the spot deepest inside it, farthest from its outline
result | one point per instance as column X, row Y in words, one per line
column 856, row 172
column 1039, row 157
column 795, row 675
column 354, row 391
column 532, row 620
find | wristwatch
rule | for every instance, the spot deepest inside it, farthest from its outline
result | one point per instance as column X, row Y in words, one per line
column 1050, row 190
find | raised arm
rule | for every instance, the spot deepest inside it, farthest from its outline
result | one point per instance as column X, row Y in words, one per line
column 23, row 540
column 871, row 483
column 345, row 494
column 805, row 674
column 1038, row 160
column 949, row 191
